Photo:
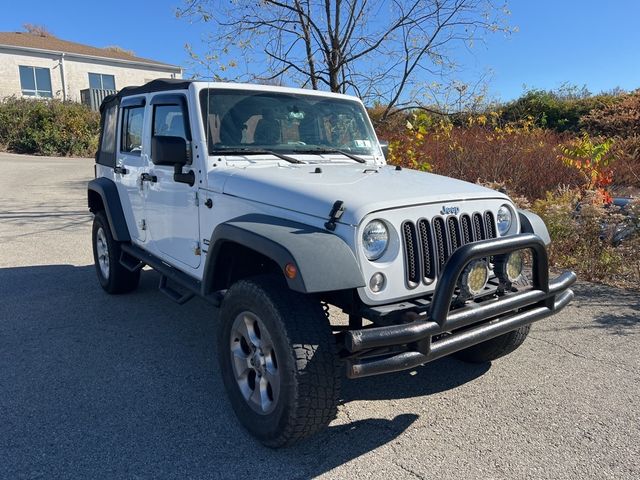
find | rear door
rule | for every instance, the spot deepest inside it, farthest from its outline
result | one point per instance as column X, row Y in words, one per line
column 131, row 163
column 171, row 207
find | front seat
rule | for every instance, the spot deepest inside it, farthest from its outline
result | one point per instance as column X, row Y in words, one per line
column 230, row 134
column 267, row 130
column 308, row 131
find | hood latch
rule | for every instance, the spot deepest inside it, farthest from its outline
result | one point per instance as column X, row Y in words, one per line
column 336, row 212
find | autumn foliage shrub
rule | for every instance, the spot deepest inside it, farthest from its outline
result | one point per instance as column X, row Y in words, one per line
column 592, row 159
column 518, row 154
column 48, row 127
column 584, row 229
column 619, row 119
column 626, row 166
column 621, row 122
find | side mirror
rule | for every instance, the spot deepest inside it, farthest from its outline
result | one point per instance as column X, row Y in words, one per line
column 170, row 151
column 174, row 151
column 384, row 145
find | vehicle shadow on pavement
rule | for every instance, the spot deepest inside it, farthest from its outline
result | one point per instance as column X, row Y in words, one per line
column 93, row 385
column 435, row 377
column 599, row 300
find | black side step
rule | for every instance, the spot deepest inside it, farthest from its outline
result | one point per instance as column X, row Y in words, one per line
column 179, row 298
column 130, row 262
column 167, row 272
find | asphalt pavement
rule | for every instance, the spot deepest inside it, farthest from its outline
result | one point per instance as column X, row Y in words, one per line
column 99, row 386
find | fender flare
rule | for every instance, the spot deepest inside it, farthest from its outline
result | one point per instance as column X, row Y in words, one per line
column 323, row 260
column 532, row 223
column 108, row 192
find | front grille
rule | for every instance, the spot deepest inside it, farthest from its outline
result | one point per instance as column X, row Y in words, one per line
column 426, row 240
column 442, row 246
column 428, row 244
column 411, row 252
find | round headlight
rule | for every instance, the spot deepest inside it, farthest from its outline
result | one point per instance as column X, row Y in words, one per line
column 504, row 219
column 375, row 238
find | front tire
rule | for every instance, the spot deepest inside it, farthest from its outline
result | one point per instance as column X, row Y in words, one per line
column 278, row 361
column 113, row 277
column 495, row 348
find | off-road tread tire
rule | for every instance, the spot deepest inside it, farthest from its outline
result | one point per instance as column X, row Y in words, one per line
column 120, row 279
column 495, row 348
column 311, row 404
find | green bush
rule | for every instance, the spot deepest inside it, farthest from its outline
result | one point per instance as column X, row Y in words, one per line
column 560, row 110
column 48, row 127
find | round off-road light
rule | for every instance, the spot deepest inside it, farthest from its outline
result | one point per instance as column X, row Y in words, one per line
column 474, row 278
column 509, row 267
column 377, row 282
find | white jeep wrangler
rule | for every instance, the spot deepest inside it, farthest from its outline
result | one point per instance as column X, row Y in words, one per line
column 273, row 203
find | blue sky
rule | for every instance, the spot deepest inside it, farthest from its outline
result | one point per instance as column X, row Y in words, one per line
column 586, row 42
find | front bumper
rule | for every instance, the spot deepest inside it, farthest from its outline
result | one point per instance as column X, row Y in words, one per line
column 441, row 331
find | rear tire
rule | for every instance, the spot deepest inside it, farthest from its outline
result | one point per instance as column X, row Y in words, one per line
column 278, row 361
column 113, row 277
column 494, row 348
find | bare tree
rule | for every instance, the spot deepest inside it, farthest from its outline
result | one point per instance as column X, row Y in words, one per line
column 385, row 51
column 36, row 29
column 119, row 49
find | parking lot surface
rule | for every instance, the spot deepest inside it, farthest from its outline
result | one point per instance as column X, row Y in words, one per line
column 95, row 386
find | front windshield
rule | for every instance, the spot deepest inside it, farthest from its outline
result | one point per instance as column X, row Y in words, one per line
column 245, row 120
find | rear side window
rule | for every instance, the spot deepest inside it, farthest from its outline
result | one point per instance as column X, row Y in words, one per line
column 107, row 152
column 132, row 123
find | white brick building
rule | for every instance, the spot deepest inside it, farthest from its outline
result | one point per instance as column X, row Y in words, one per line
column 46, row 66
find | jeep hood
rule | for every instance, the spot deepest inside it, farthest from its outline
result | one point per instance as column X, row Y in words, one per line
column 363, row 188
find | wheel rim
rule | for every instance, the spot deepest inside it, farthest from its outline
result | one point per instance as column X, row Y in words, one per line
column 102, row 250
column 254, row 363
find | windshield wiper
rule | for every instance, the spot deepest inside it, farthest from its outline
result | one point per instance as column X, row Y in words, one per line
column 320, row 150
column 254, row 151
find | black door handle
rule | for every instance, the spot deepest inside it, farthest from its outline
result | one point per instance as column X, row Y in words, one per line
column 120, row 170
column 146, row 177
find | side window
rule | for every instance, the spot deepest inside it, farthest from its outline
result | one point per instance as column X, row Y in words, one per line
column 169, row 121
column 107, row 150
column 108, row 144
column 131, row 132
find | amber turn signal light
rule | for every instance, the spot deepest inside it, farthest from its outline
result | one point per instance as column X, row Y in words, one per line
column 290, row 270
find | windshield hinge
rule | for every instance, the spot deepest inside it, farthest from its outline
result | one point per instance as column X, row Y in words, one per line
column 336, row 212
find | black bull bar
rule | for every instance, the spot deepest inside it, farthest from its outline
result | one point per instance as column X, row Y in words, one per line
column 495, row 316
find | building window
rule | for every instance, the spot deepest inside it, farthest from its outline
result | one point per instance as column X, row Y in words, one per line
column 35, row 81
column 101, row 81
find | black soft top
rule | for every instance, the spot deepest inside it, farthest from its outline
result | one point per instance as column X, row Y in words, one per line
column 158, row 85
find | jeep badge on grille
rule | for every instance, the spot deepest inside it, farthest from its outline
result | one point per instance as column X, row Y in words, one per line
column 449, row 210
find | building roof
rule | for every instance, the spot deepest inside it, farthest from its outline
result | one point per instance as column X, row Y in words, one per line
column 54, row 44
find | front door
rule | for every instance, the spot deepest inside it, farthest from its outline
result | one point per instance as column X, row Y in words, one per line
column 171, row 208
